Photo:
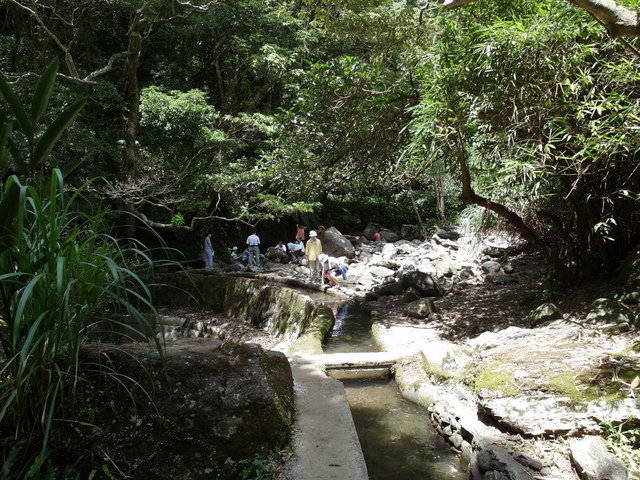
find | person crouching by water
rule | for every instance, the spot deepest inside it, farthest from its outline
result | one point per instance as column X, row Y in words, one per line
column 208, row 251
column 253, row 241
column 280, row 250
column 331, row 268
column 313, row 251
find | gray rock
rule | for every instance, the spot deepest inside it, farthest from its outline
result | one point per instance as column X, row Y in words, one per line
column 394, row 288
column 370, row 229
column 423, row 283
column 631, row 297
column 410, row 295
column 547, row 312
column 491, row 266
column 494, row 475
column 335, row 244
column 389, row 236
column 410, row 232
column 448, row 234
column 420, row 308
column 382, row 269
column 448, row 267
column 607, row 311
column 501, row 279
column 594, row 462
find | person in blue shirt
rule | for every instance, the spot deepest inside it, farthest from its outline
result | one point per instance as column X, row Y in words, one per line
column 208, row 251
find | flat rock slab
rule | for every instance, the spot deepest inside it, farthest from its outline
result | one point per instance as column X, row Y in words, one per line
column 325, row 442
column 361, row 360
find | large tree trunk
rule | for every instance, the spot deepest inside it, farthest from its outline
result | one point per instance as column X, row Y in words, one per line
column 132, row 98
column 469, row 196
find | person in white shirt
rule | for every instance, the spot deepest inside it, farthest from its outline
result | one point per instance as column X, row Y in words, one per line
column 331, row 268
column 253, row 241
column 281, row 251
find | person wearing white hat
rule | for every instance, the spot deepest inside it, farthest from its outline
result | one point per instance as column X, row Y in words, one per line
column 331, row 268
column 235, row 258
column 313, row 250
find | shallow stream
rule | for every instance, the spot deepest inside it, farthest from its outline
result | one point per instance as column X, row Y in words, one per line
column 397, row 439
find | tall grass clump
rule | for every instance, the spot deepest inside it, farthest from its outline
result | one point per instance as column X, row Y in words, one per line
column 62, row 278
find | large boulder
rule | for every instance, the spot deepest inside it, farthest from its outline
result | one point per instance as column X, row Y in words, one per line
column 392, row 288
column 410, row 232
column 335, row 244
column 196, row 415
column 547, row 312
column 423, row 283
column 606, row 311
column 389, row 236
column 370, row 230
column 594, row 462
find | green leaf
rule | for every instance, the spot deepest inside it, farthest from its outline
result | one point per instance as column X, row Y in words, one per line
column 5, row 133
column 9, row 208
column 43, row 91
column 74, row 163
column 17, row 157
column 16, row 108
column 55, row 130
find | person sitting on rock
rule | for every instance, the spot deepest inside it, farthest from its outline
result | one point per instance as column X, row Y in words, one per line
column 296, row 249
column 235, row 258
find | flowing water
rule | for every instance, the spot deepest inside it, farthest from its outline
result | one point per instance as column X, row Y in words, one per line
column 351, row 332
column 397, row 439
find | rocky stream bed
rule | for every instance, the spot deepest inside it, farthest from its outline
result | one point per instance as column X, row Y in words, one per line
column 539, row 377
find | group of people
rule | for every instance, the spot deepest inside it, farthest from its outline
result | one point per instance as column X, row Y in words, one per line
column 323, row 268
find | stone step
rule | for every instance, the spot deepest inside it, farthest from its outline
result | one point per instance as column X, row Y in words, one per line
column 345, row 361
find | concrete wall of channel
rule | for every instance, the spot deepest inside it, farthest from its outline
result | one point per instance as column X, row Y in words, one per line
column 287, row 314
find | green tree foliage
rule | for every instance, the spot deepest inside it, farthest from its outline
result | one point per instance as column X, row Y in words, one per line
column 259, row 108
column 61, row 276
column 540, row 107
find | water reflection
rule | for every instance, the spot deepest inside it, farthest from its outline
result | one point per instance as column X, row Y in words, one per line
column 397, row 440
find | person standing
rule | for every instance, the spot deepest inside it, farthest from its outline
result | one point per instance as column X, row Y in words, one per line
column 313, row 251
column 300, row 232
column 253, row 241
column 208, row 251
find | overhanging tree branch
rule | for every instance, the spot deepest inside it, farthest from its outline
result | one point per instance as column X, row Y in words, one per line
column 618, row 20
column 469, row 196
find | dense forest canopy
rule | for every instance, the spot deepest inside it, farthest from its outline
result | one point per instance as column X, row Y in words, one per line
column 125, row 120
column 209, row 115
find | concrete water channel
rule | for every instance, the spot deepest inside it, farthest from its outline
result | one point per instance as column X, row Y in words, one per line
column 396, row 436
column 351, row 422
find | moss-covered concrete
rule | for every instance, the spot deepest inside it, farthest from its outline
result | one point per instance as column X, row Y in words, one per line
column 310, row 342
column 284, row 312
